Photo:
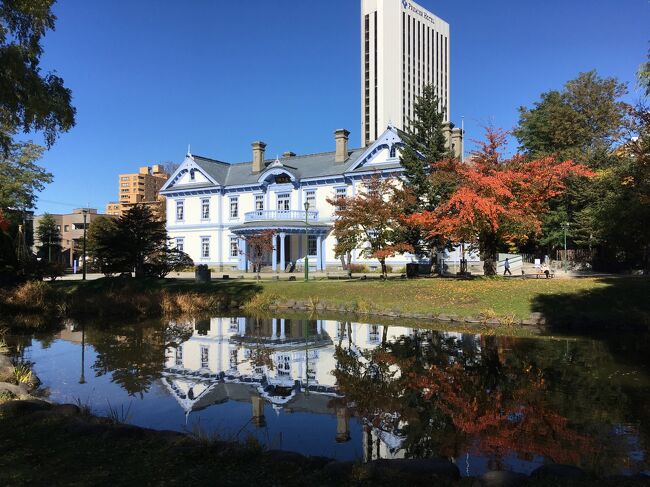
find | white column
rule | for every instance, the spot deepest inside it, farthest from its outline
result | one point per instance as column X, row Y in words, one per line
column 221, row 231
column 282, row 262
column 282, row 333
column 242, row 326
column 274, row 333
column 319, row 326
column 319, row 264
column 274, row 259
column 242, row 254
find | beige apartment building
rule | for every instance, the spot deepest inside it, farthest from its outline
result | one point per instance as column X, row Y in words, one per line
column 139, row 188
column 71, row 229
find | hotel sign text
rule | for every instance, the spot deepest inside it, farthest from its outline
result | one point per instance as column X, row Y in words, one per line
column 409, row 6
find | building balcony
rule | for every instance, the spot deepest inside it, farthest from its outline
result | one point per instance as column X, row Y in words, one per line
column 281, row 215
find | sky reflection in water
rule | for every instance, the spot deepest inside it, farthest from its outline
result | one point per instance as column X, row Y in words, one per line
column 357, row 391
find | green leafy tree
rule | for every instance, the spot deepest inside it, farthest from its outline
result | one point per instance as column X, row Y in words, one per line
column 101, row 234
column 49, row 236
column 644, row 76
column 20, row 177
column 30, row 100
column 424, row 144
column 136, row 241
column 169, row 260
column 584, row 122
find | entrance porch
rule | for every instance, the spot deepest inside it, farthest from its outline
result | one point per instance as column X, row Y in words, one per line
column 290, row 244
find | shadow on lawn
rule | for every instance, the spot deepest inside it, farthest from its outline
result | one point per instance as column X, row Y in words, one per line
column 623, row 304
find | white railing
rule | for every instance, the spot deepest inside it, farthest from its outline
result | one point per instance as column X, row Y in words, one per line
column 275, row 215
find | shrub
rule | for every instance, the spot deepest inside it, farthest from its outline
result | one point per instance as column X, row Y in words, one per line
column 358, row 268
column 23, row 375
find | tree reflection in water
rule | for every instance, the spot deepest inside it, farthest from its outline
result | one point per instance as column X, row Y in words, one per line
column 445, row 396
column 134, row 354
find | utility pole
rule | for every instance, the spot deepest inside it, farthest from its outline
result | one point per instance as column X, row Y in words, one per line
column 85, row 213
column 565, row 226
column 49, row 248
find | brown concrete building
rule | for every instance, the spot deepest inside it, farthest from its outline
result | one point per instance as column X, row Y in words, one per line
column 141, row 187
column 71, row 228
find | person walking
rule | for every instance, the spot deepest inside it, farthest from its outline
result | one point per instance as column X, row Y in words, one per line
column 506, row 267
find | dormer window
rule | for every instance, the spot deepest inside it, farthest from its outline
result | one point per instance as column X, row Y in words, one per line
column 282, row 179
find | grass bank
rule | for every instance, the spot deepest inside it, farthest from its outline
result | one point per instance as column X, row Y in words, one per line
column 63, row 445
column 599, row 302
column 592, row 303
column 37, row 304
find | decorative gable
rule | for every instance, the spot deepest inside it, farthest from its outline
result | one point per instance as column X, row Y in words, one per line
column 189, row 173
column 385, row 150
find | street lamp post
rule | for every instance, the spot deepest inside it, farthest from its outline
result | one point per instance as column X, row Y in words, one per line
column 565, row 226
column 305, row 246
column 85, row 213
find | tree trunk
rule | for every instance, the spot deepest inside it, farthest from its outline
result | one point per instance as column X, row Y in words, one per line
column 383, row 267
column 488, row 247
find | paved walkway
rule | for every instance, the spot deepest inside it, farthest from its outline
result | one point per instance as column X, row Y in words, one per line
column 284, row 276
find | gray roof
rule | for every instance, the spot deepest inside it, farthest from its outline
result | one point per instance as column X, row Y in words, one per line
column 302, row 167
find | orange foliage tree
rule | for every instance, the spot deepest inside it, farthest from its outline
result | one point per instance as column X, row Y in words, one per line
column 370, row 220
column 495, row 199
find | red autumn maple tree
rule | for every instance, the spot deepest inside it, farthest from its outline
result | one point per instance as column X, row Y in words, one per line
column 495, row 199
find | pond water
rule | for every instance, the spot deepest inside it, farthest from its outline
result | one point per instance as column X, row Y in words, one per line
column 351, row 390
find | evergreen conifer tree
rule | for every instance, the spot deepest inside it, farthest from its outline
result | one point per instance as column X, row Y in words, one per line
column 424, row 143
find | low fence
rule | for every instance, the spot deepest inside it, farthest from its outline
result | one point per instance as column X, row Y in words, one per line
column 575, row 255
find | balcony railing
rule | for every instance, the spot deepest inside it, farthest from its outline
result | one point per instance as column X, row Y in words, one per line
column 281, row 215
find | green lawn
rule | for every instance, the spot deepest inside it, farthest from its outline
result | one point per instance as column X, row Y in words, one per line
column 563, row 301
column 597, row 303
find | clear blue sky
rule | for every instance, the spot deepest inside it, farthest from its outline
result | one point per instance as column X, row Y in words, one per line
column 150, row 77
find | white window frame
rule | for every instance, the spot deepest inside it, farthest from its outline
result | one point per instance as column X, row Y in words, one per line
column 259, row 198
column 234, row 215
column 205, row 203
column 205, row 239
column 235, row 241
column 310, row 196
column 178, row 359
column 283, row 197
column 205, row 363
column 180, row 204
column 180, row 243
column 310, row 239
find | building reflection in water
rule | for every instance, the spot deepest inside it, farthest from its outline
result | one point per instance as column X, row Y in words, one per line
column 286, row 363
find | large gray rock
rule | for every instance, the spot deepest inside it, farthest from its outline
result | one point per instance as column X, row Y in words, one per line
column 24, row 407
column 502, row 478
column 338, row 470
column 281, row 456
column 20, row 390
column 559, row 471
column 67, row 410
column 6, row 368
column 428, row 468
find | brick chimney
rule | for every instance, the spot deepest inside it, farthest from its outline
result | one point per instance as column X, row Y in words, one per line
column 258, row 156
column 341, row 138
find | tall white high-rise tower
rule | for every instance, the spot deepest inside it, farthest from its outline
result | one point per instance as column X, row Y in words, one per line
column 403, row 48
